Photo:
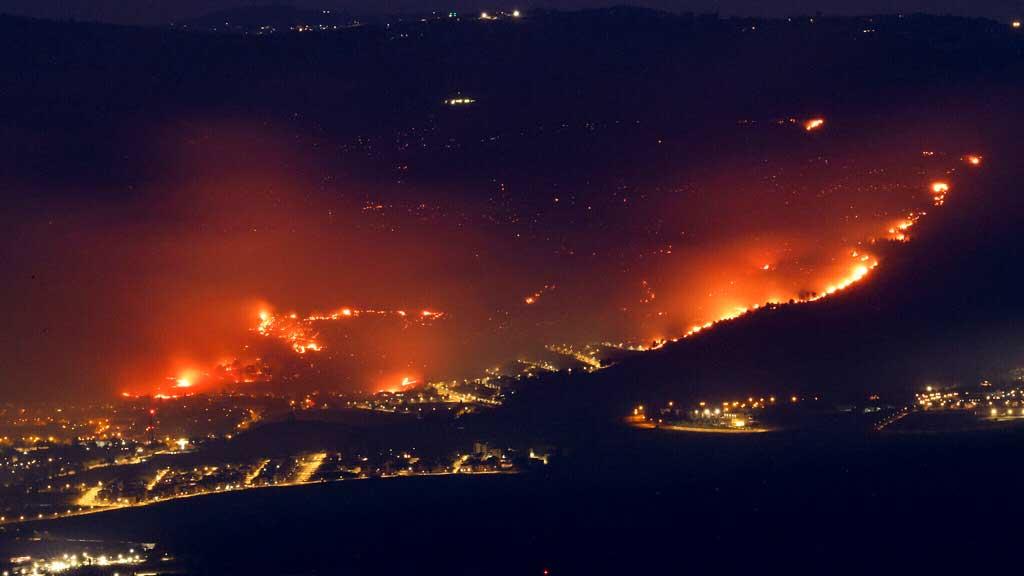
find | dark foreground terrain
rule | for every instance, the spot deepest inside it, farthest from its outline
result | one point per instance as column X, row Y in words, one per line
column 640, row 500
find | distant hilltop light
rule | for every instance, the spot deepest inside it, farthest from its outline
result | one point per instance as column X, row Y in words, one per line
column 461, row 101
column 517, row 14
column 1015, row 24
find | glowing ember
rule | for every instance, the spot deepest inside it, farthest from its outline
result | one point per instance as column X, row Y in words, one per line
column 973, row 160
column 649, row 295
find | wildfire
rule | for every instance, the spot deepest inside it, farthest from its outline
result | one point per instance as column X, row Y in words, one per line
column 857, row 273
column 898, row 231
column 939, row 192
column 398, row 383
column 300, row 332
column 814, row 124
column 865, row 263
column 533, row 298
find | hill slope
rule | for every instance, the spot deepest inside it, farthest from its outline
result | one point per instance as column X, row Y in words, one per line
column 945, row 308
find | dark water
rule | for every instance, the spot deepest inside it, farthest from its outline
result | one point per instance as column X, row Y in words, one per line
column 639, row 501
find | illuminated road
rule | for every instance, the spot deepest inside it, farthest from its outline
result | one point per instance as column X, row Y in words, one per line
column 309, row 467
column 699, row 429
column 892, row 420
column 156, row 479
column 255, row 473
column 457, row 465
column 101, row 507
column 89, row 498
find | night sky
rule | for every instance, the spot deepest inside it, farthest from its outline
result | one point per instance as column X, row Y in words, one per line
column 160, row 11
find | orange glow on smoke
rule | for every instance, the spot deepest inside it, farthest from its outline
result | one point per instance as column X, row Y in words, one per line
column 401, row 382
column 800, row 260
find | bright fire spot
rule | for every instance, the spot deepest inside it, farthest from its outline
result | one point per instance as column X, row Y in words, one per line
column 395, row 383
column 857, row 273
column 898, row 231
column 939, row 191
column 814, row 124
column 973, row 160
column 533, row 298
column 183, row 383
